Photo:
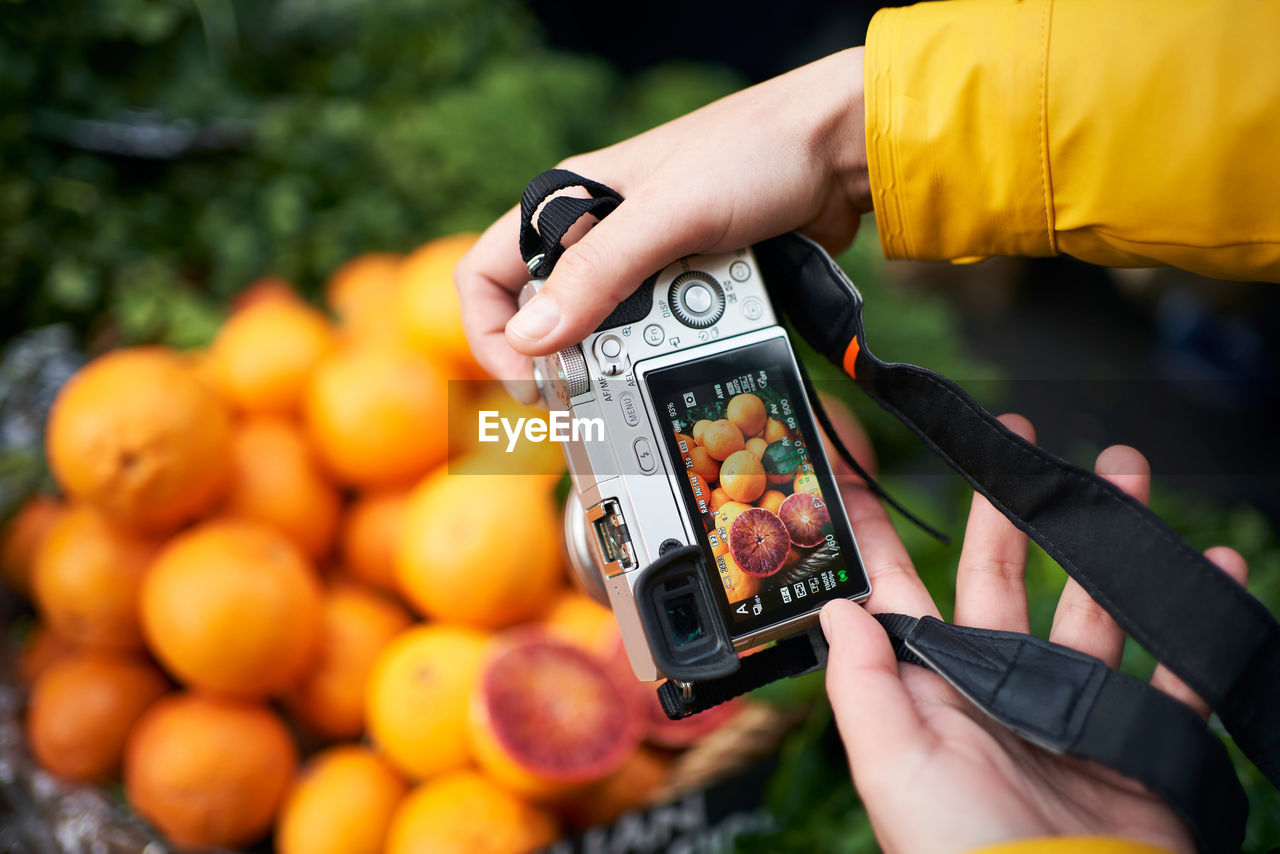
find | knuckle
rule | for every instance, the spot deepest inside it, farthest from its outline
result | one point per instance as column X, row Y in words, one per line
column 1002, row 569
column 582, row 264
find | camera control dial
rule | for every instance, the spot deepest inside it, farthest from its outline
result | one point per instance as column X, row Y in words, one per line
column 562, row 375
column 696, row 299
column 568, row 375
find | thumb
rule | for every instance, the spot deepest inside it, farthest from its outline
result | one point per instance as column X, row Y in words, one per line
column 877, row 717
column 601, row 270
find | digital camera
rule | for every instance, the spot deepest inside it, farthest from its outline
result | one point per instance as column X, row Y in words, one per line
column 704, row 437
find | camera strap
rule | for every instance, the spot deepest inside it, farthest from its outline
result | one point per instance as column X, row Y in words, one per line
column 1185, row 611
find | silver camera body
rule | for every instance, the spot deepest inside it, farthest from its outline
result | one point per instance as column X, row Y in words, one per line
column 631, row 498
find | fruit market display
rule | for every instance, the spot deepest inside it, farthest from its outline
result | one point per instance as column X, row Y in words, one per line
column 278, row 607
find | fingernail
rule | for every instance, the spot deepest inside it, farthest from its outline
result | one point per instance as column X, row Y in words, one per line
column 825, row 622
column 536, row 320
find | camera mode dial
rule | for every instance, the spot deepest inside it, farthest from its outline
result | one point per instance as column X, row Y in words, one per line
column 696, row 299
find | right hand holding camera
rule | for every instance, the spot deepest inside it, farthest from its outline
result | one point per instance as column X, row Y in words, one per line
column 786, row 155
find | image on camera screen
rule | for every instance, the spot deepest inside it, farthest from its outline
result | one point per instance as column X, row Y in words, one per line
column 742, row 440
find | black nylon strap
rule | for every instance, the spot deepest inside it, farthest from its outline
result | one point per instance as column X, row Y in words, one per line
column 1184, row 610
column 1071, row 703
column 790, row 657
column 558, row 215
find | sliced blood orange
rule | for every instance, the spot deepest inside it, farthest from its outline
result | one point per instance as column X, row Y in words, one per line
column 664, row 732
column 804, row 516
column 759, row 542
column 547, row 719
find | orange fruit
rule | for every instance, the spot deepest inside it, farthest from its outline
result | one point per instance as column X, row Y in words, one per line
column 806, row 481
column 747, row 413
column 756, row 446
column 136, row 433
column 276, row 479
column 466, row 403
column 264, row 289
column 547, row 719
column 341, row 803
column 362, row 293
column 742, row 477
column 264, row 354
column 480, row 549
column 232, row 607
column 719, row 498
column 739, row 584
column 82, row 709
column 633, row 786
column 87, row 576
column 22, row 537
column 377, row 415
column 699, row 430
column 774, row 430
column 427, row 304
column 416, row 700
column 722, row 438
column 40, row 649
column 703, row 465
column 370, row 531
column 355, row 624
column 580, row 620
column 771, row 500
column 208, row 771
column 465, row 813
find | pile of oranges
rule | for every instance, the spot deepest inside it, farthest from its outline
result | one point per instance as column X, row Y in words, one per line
column 274, row 601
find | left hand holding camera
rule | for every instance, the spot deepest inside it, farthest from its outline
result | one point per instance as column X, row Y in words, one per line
column 935, row 773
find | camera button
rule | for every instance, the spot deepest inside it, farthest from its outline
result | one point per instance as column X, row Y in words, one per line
column 644, row 456
column 752, row 308
column 697, row 299
column 629, row 411
column 740, row 271
column 654, row 335
column 611, row 354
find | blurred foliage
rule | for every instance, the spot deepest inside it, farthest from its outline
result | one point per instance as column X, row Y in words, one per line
column 160, row 155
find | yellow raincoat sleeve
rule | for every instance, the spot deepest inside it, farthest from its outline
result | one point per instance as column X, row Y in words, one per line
column 1072, row 845
column 1123, row 132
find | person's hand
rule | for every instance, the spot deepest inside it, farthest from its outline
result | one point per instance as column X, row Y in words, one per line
column 788, row 154
column 935, row 773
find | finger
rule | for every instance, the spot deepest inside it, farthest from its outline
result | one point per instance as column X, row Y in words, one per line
column 877, row 719
column 602, row 269
column 852, row 434
column 1230, row 562
column 895, row 586
column 1079, row 622
column 488, row 279
column 991, row 591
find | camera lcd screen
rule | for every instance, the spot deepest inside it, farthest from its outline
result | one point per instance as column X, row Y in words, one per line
column 738, row 433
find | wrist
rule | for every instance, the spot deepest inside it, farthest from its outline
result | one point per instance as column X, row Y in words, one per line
column 844, row 130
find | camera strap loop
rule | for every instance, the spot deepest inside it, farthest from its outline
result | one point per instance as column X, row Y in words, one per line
column 541, row 245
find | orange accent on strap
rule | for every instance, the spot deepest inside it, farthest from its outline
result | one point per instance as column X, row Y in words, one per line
column 851, row 356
